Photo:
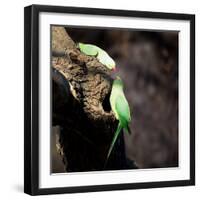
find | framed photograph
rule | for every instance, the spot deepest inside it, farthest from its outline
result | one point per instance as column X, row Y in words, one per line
column 109, row 99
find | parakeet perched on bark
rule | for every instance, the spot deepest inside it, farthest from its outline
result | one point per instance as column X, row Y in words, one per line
column 100, row 54
column 121, row 109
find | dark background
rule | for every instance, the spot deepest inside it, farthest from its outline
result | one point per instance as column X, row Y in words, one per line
column 147, row 62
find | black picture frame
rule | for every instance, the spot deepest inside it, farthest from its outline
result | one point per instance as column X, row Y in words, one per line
column 31, row 98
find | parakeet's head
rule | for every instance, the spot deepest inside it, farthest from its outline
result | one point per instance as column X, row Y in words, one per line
column 118, row 82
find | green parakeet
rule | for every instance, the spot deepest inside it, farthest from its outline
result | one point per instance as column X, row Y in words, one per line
column 121, row 109
column 102, row 56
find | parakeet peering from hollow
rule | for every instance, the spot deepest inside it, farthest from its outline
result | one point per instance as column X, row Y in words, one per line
column 121, row 109
column 102, row 56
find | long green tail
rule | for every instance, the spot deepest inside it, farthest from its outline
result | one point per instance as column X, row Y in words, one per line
column 119, row 127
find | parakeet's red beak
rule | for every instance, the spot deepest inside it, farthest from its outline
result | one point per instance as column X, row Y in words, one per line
column 114, row 69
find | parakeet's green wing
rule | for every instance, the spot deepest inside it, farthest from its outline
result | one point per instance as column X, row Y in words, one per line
column 93, row 50
column 123, row 111
column 88, row 49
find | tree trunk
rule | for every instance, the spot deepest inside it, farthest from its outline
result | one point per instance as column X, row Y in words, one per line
column 81, row 89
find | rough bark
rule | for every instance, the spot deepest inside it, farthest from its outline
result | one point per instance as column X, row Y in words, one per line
column 81, row 89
